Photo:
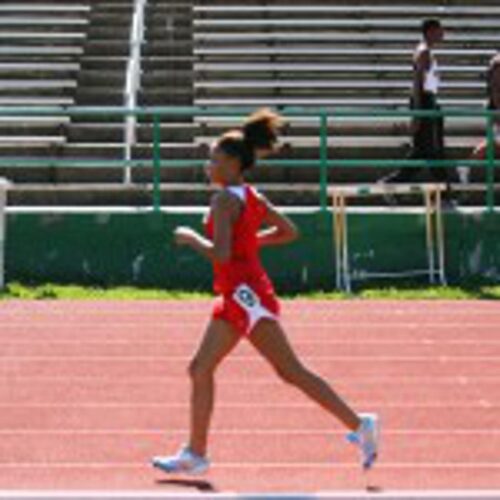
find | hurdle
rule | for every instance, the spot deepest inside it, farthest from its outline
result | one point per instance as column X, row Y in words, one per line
column 434, row 244
column 4, row 187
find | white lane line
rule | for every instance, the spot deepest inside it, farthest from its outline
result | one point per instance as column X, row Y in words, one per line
column 252, row 358
column 243, row 432
column 259, row 465
column 468, row 404
column 417, row 379
column 178, row 495
column 108, row 324
column 167, row 342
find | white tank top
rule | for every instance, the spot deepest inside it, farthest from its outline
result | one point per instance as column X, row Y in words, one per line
column 432, row 79
column 239, row 191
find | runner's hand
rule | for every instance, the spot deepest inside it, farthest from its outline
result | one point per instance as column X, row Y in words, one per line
column 184, row 235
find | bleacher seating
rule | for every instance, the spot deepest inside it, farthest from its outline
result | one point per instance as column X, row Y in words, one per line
column 341, row 54
column 41, row 44
column 214, row 52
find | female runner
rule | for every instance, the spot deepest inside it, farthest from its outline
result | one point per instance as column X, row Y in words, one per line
column 248, row 307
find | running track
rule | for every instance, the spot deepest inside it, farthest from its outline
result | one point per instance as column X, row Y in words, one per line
column 91, row 390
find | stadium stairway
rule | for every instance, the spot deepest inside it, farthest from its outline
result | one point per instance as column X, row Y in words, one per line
column 101, row 83
column 167, row 80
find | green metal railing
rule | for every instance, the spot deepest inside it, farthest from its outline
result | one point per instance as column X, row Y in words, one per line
column 323, row 162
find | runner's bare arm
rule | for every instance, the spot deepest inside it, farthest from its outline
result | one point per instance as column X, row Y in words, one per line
column 225, row 208
column 281, row 229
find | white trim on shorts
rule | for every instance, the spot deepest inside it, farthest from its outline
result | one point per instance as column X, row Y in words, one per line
column 249, row 301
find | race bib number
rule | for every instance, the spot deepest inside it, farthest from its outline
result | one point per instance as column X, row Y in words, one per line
column 246, row 298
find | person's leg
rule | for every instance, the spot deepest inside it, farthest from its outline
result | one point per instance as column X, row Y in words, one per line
column 219, row 340
column 436, row 151
column 406, row 174
column 270, row 340
column 403, row 175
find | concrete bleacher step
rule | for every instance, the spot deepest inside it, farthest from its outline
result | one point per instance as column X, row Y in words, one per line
column 160, row 78
column 186, row 151
column 180, row 194
column 102, row 48
column 337, row 142
column 173, row 96
column 51, row 7
column 373, row 37
column 323, row 22
column 38, row 70
column 31, row 122
column 40, row 37
column 79, row 195
column 46, row 21
column 135, row 195
column 36, row 101
column 169, row 48
column 10, row 51
column 161, row 32
column 338, row 10
column 328, row 103
column 38, row 84
column 95, row 132
column 113, row 77
column 320, row 39
column 305, row 49
column 326, row 88
column 94, row 150
column 95, row 63
column 309, row 127
column 100, row 96
column 97, row 32
column 170, row 131
column 114, row 132
column 177, row 63
column 235, row 71
column 351, row 8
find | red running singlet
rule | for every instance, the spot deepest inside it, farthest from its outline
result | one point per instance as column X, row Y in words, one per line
column 246, row 292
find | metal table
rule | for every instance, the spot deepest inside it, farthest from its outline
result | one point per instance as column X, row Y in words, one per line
column 432, row 198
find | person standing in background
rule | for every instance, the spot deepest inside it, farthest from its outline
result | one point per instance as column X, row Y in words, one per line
column 427, row 132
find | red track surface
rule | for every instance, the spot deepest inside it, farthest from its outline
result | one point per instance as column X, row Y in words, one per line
column 91, row 390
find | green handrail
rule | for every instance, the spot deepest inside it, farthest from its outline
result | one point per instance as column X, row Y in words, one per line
column 323, row 162
column 238, row 112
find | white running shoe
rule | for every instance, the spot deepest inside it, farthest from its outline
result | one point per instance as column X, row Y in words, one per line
column 367, row 439
column 184, row 462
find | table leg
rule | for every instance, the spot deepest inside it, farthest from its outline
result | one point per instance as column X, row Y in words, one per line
column 337, row 242
column 345, row 247
column 430, row 235
column 440, row 237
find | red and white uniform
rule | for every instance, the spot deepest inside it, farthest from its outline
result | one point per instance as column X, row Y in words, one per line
column 246, row 292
